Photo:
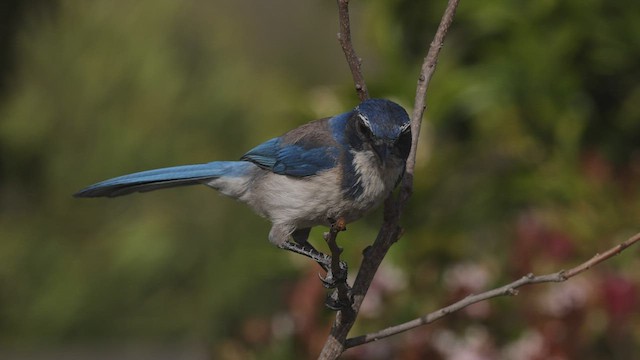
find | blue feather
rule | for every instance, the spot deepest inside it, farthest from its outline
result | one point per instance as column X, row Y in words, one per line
column 293, row 159
column 265, row 154
column 163, row 178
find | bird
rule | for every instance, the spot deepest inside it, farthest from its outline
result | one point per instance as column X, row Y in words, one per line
column 339, row 167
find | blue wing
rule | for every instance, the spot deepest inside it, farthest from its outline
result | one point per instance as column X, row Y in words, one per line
column 297, row 159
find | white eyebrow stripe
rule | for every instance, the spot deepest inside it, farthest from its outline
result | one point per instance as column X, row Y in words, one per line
column 365, row 120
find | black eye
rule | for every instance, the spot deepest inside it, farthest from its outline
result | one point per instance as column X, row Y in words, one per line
column 363, row 129
column 405, row 135
column 404, row 142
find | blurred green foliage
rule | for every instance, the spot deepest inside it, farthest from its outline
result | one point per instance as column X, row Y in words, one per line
column 529, row 161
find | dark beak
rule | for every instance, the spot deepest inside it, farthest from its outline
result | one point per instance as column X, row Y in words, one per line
column 383, row 150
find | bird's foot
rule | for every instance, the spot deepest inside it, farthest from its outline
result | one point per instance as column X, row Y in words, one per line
column 335, row 303
column 331, row 280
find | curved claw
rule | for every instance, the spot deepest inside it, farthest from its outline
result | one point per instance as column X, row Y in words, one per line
column 328, row 282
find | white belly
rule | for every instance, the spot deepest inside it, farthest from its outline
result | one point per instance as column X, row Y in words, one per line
column 310, row 201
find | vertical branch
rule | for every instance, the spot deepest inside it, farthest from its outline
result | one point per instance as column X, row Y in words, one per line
column 390, row 231
column 343, row 299
column 344, row 37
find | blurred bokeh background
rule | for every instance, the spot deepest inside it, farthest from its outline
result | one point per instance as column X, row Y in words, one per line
column 529, row 162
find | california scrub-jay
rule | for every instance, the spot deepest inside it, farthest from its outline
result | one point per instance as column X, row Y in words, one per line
column 337, row 167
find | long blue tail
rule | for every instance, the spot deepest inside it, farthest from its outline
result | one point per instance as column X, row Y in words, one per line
column 163, row 178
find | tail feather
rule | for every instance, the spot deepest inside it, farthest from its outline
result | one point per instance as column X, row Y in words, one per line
column 160, row 178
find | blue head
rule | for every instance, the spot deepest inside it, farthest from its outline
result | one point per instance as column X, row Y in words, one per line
column 382, row 126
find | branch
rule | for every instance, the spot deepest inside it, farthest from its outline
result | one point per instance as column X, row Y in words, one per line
column 426, row 72
column 343, row 298
column 344, row 37
column 390, row 232
column 509, row 289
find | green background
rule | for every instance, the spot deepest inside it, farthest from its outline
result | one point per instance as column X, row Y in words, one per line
column 529, row 161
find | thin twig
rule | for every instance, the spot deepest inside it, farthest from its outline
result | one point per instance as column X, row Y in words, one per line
column 509, row 289
column 344, row 298
column 420, row 102
column 344, row 37
column 390, row 231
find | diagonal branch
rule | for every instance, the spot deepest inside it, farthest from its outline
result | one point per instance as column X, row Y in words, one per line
column 420, row 102
column 509, row 289
column 344, row 37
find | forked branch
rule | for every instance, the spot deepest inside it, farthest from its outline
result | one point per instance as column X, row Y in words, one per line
column 390, row 231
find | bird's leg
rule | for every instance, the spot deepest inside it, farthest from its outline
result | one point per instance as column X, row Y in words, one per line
column 333, row 279
column 309, row 251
